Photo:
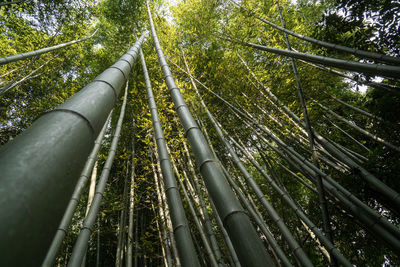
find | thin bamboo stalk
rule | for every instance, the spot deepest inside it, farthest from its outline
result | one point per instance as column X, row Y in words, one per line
column 359, row 129
column 168, row 259
column 365, row 68
column 355, row 108
column 13, row 58
column 209, row 228
column 131, row 206
column 380, row 86
column 356, row 52
column 248, row 245
column 348, row 135
column 321, row 193
column 186, row 249
column 81, row 243
column 284, row 195
column 199, row 227
column 297, row 250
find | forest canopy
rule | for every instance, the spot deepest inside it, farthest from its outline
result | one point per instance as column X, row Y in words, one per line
column 199, row 132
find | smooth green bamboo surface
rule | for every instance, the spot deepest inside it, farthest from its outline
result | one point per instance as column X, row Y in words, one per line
column 39, row 168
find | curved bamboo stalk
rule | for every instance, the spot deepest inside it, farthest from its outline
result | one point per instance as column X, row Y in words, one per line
column 52, row 160
column 367, row 69
column 186, row 249
column 356, row 52
column 81, row 244
column 73, row 203
column 248, row 246
column 13, row 58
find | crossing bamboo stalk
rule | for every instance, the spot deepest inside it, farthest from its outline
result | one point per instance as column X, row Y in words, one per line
column 325, row 241
column 321, row 193
column 52, row 153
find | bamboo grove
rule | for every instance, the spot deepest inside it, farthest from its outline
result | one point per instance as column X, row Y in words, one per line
column 213, row 133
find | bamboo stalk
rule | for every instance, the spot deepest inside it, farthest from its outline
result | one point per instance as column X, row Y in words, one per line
column 367, row 69
column 81, row 243
column 60, row 158
column 73, row 203
column 359, row 129
column 248, row 245
column 356, row 52
column 186, row 249
column 13, row 58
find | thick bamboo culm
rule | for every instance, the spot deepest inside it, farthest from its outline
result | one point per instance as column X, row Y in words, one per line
column 69, row 212
column 83, row 117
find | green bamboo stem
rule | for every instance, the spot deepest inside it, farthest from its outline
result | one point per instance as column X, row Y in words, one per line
column 376, row 222
column 186, row 250
column 359, row 129
column 131, row 206
column 282, row 258
column 365, row 68
column 168, row 260
column 321, row 194
column 203, row 237
column 297, row 250
column 356, row 108
column 13, row 58
column 209, row 228
column 380, row 86
column 284, row 195
column 81, row 244
column 348, row 135
column 295, row 247
column 248, row 246
column 331, row 148
column 356, row 52
column 53, row 161
column 73, row 203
